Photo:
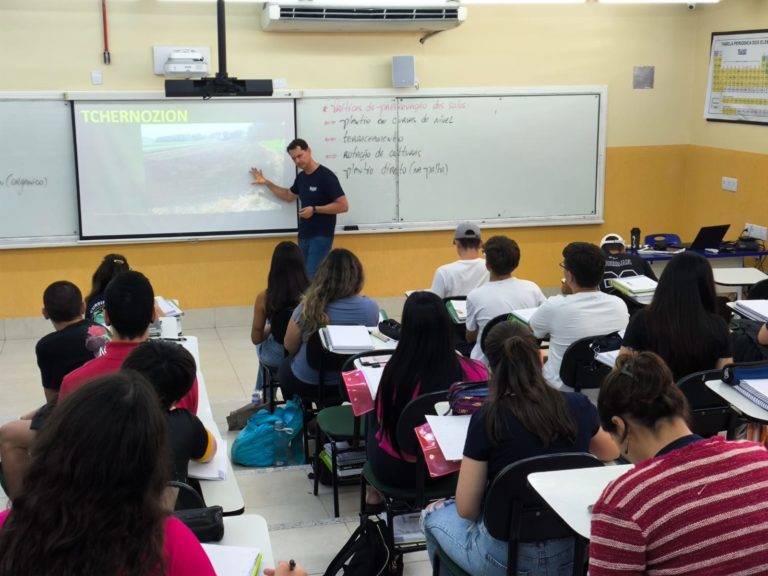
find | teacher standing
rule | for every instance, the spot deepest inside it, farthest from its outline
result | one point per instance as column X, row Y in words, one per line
column 320, row 199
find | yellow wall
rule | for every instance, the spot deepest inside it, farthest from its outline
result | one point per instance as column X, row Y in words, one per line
column 662, row 160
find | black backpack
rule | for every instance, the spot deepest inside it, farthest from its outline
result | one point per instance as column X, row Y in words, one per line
column 365, row 553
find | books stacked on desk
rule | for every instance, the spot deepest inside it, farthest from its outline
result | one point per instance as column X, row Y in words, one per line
column 348, row 463
column 458, row 310
column 666, row 252
column 349, row 338
column 754, row 390
column 752, row 309
column 523, row 315
column 638, row 288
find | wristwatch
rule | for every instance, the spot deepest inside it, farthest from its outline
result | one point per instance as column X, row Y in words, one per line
column 314, row 210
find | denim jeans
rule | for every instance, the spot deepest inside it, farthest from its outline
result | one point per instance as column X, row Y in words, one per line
column 477, row 552
column 270, row 354
column 314, row 250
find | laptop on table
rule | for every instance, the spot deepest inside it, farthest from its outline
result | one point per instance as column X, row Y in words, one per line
column 708, row 237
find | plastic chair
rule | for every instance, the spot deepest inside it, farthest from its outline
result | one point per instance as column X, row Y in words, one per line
column 491, row 323
column 579, row 369
column 759, row 291
column 339, row 424
column 515, row 513
column 323, row 361
column 397, row 500
column 710, row 414
column 670, row 239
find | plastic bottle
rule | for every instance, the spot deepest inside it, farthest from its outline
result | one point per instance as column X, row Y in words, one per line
column 281, row 444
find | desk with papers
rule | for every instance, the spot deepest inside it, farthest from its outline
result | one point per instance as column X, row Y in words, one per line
column 244, row 537
column 738, row 401
column 217, row 479
column 375, row 341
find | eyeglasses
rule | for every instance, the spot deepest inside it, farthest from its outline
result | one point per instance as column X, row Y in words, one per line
column 563, row 266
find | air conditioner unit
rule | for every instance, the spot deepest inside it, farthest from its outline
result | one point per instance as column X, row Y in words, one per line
column 361, row 16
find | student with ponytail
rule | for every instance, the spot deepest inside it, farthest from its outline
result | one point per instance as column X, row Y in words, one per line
column 524, row 417
column 690, row 506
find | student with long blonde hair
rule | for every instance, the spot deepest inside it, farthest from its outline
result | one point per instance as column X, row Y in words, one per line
column 333, row 297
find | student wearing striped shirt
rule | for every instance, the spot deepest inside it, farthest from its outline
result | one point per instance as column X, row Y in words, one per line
column 690, row 506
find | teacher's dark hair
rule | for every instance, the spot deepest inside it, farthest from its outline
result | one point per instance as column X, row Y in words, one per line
column 640, row 387
column 91, row 499
column 297, row 143
column 518, row 388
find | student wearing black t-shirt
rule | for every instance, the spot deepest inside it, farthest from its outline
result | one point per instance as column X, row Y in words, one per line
column 171, row 369
column 320, row 199
column 524, row 417
column 681, row 323
column 74, row 342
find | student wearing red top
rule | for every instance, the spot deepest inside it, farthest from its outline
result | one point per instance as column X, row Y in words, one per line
column 690, row 505
column 129, row 309
column 92, row 501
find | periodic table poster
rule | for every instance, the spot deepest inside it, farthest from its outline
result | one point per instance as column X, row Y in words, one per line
column 737, row 87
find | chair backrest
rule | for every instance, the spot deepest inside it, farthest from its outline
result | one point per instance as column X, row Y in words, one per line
column 759, row 291
column 651, row 239
column 414, row 414
column 579, row 369
column 710, row 414
column 323, row 361
column 491, row 323
column 514, row 512
column 279, row 324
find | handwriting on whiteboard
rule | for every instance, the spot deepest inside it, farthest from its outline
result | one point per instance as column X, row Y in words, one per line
column 20, row 183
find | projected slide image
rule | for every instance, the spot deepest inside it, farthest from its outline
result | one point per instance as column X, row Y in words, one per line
column 198, row 168
column 174, row 168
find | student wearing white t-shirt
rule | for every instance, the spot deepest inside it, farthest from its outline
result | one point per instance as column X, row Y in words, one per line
column 459, row 278
column 502, row 294
column 582, row 311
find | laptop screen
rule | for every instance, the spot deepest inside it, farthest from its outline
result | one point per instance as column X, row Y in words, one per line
column 709, row 237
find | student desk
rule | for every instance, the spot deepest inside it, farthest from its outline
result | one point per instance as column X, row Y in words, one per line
column 739, row 278
column 570, row 493
column 226, row 493
column 745, row 406
column 378, row 344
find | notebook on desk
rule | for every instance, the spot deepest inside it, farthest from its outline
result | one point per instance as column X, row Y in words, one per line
column 708, row 237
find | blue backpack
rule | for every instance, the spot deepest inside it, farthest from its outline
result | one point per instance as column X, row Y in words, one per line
column 255, row 444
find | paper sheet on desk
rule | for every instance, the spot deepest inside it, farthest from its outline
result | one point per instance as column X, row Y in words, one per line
column 216, row 468
column 450, row 433
column 233, row 560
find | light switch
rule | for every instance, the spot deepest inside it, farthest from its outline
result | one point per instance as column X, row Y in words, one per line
column 730, row 184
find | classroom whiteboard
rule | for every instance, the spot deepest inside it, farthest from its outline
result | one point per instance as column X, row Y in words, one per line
column 38, row 189
column 426, row 162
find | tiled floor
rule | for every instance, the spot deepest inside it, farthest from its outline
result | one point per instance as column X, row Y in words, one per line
column 301, row 524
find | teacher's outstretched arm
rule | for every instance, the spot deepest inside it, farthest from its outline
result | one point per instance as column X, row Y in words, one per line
column 283, row 193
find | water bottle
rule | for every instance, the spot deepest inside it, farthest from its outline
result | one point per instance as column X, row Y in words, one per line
column 634, row 239
column 281, row 444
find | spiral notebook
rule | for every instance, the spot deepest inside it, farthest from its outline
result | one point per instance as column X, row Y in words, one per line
column 754, row 390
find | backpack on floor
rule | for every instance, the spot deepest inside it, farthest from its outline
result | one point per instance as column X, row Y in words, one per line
column 365, row 553
column 255, row 444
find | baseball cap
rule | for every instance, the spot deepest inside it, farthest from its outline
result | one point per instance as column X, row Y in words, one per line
column 467, row 230
column 611, row 239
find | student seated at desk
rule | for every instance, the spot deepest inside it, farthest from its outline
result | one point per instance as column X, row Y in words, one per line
column 621, row 264
column 524, row 417
column 92, row 500
column 681, row 323
column 286, row 283
column 690, row 506
column 424, row 361
column 502, row 294
column 581, row 311
column 170, row 368
column 74, row 342
column 333, row 297
column 459, row 278
column 110, row 266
